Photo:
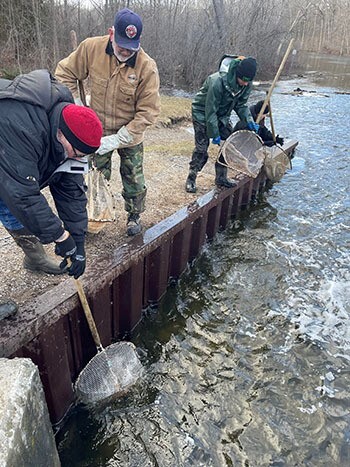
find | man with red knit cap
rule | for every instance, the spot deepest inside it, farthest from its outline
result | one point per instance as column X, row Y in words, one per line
column 124, row 85
column 44, row 141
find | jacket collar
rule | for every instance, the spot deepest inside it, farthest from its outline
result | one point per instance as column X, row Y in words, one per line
column 57, row 150
column 132, row 60
column 232, row 86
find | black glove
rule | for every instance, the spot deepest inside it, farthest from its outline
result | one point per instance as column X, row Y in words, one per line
column 279, row 140
column 78, row 262
column 75, row 252
column 66, row 248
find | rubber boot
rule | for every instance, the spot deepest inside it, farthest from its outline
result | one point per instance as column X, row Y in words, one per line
column 191, row 182
column 221, row 179
column 134, row 225
column 35, row 258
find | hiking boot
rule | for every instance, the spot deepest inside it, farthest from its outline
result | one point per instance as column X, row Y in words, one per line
column 225, row 183
column 134, row 225
column 191, row 182
column 35, row 257
column 221, row 179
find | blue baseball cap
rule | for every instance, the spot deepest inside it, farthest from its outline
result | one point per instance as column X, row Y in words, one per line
column 127, row 29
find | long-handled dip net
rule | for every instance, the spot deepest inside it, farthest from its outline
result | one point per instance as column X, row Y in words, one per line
column 112, row 371
column 244, row 152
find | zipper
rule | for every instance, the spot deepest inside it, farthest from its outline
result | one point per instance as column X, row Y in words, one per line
column 46, row 182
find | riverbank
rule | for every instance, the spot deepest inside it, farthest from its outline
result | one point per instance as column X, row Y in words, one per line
column 168, row 148
column 247, row 359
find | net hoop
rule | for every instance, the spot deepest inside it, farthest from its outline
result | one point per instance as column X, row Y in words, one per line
column 111, row 372
column 243, row 151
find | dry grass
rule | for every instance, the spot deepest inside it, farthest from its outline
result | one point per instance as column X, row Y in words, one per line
column 174, row 110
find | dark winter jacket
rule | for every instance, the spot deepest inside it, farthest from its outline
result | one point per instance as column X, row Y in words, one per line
column 30, row 107
column 218, row 97
column 264, row 133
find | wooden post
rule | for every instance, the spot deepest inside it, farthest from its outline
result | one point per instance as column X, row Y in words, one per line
column 74, row 42
column 279, row 71
column 272, row 124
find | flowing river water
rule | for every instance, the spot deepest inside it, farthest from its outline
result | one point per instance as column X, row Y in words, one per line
column 247, row 359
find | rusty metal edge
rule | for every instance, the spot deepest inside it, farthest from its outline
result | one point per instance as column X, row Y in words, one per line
column 49, row 307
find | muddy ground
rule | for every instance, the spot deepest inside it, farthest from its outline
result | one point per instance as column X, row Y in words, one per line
column 168, row 148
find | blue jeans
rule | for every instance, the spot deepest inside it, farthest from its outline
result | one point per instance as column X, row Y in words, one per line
column 7, row 219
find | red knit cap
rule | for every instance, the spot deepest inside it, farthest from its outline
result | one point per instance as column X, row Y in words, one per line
column 82, row 128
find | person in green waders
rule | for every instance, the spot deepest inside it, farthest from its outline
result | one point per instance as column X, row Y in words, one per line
column 221, row 93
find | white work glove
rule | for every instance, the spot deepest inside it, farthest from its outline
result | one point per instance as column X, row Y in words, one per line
column 78, row 101
column 110, row 143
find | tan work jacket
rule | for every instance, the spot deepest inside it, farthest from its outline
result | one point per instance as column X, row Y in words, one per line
column 120, row 94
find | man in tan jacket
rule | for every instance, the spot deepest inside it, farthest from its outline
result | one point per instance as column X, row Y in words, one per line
column 124, row 83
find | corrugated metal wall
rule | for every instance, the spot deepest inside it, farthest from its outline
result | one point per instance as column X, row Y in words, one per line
column 52, row 329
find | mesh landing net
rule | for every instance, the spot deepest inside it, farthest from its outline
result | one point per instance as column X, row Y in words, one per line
column 111, row 372
column 244, row 152
column 100, row 205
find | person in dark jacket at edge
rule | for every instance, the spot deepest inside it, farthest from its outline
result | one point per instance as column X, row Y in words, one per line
column 221, row 93
column 44, row 141
column 264, row 133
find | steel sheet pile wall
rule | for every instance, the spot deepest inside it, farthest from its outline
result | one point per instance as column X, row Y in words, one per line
column 52, row 330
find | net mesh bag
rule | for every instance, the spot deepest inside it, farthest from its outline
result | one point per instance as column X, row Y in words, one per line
column 244, row 152
column 111, row 372
column 100, row 205
column 276, row 163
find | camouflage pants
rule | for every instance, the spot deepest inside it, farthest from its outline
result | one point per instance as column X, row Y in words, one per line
column 200, row 153
column 131, row 171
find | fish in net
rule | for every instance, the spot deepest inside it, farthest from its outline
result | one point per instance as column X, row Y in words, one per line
column 277, row 162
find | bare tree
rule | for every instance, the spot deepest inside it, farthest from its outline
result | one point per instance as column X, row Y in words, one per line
column 186, row 37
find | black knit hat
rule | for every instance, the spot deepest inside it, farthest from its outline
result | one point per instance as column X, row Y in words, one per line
column 258, row 106
column 246, row 69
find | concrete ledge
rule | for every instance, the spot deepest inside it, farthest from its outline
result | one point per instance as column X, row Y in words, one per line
column 26, row 437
